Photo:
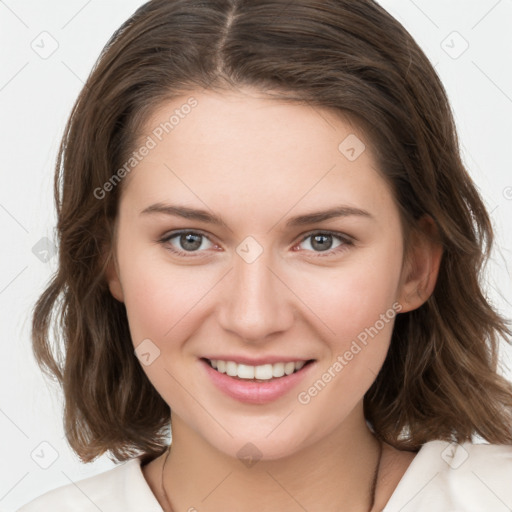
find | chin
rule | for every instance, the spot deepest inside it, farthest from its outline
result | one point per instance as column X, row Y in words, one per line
column 250, row 449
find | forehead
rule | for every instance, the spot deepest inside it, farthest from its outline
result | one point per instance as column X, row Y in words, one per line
column 244, row 120
column 243, row 146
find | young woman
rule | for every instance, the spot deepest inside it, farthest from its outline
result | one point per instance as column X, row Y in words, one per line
column 271, row 250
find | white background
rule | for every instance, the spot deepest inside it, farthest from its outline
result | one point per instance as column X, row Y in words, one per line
column 36, row 96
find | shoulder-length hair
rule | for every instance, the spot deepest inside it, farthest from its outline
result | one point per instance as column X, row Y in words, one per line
column 440, row 379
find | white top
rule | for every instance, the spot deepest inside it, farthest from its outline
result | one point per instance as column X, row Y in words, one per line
column 442, row 477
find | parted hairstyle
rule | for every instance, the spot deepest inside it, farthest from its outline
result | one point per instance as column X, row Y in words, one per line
column 441, row 377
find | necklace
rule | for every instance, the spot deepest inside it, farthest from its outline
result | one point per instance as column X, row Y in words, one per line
column 372, row 491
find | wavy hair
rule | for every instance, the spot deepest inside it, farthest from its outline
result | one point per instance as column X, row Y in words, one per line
column 440, row 379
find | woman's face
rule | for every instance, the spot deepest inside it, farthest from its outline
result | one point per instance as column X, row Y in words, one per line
column 255, row 231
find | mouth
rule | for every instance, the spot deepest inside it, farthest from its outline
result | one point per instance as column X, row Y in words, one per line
column 257, row 384
column 258, row 373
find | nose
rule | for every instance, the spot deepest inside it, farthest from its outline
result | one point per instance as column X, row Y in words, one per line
column 257, row 304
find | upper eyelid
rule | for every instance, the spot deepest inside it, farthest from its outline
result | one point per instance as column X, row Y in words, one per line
column 172, row 234
column 337, row 234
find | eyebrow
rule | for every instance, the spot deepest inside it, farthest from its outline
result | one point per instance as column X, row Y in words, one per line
column 300, row 220
column 185, row 212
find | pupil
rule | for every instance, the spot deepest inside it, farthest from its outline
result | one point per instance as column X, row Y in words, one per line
column 322, row 242
column 190, row 241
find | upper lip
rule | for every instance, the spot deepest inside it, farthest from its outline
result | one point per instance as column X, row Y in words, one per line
column 256, row 361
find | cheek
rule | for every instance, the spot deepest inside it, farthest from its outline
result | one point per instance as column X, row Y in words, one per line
column 357, row 306
column 162, row 304
column 352, row 297
column 162, row 300
column 157, row 304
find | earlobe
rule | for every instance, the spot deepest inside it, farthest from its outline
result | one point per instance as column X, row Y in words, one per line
column 421, row 267
column 112, row 277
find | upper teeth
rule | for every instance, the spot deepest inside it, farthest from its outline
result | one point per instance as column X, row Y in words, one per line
column 263, row 372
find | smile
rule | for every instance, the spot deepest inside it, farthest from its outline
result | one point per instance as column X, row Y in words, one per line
column 260, row 372
column 258, row 384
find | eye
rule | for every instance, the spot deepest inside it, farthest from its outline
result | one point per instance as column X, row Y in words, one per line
column 190, row 243
column 186, row 242
column 325, row 242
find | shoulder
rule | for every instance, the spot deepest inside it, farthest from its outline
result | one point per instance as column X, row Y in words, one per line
column 463, row 477
column 122, row 488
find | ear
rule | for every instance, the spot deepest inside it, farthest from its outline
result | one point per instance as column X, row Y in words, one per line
column 421, row 265
column 113, row 280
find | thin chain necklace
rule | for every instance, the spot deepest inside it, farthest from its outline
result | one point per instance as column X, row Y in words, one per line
column 372, row 491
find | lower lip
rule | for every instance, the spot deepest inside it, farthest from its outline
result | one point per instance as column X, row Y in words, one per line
column 255, row 392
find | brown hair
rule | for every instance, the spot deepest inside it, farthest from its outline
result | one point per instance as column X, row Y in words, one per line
column 440, row 378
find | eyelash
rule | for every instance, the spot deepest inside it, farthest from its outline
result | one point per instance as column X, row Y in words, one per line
column 344, row 239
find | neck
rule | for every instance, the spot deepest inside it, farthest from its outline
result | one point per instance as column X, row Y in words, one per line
column 335, row 473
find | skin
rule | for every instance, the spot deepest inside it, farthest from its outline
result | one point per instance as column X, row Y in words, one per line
column 257, row 163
